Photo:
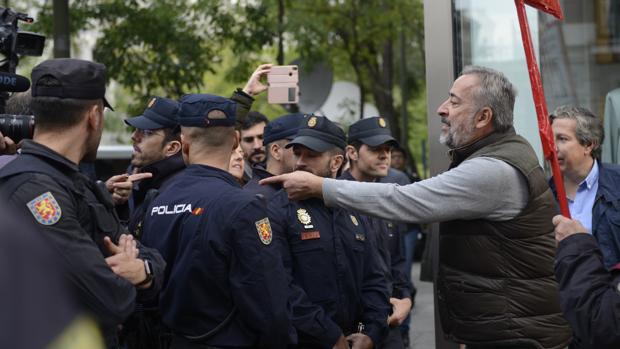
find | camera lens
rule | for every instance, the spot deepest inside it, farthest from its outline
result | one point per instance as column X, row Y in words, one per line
column 17, row 127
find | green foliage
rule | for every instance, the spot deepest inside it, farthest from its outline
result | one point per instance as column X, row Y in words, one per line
column 172, row 47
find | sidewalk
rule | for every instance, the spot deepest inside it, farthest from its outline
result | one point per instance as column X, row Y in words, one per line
column 422, row 333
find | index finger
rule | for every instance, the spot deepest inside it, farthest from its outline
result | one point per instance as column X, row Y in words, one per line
column 273, row 180
column 139, row 176
column 264, row 66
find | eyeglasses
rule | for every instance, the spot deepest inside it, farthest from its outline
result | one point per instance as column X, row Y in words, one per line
column 146, row 133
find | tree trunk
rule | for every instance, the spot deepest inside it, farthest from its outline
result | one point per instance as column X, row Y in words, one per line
column 62, row 42
column 280, row 32
column 382, row 86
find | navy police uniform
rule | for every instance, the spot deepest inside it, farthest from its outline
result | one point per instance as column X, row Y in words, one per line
column 337, row 286
column 160, row 113
column 225, row 283
column 73, row 212
column 284, row 127
column 375, row 132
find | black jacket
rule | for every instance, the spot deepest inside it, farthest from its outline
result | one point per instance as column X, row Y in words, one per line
column 337, row 278
column 146, row 190
column 389, row 240
column 589, row 294
column 258, row 173
column 75, row 215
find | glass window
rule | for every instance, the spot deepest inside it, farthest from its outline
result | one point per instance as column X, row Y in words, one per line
column 486, row 33
column 579, row 58
column 581, row 62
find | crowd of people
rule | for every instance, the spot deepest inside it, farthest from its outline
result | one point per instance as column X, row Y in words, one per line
column 232, row 231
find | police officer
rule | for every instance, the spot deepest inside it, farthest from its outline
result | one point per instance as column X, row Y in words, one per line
column 338, row 287
column 225, row 284
column 370, row 144
column 156, row 158
column 278, row 158
column 76, row 216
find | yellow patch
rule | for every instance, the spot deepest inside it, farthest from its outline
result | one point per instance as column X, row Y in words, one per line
column 152, row 102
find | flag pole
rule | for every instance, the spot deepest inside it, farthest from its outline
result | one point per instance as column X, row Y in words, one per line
column 544, row 127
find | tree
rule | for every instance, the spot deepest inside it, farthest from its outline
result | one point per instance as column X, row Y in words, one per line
column 169, row 47
column 363, row 36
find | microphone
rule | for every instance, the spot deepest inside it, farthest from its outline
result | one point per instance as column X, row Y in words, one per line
column 13, row 83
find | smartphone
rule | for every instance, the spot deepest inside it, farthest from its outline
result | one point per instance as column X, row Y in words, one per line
column 283, row 83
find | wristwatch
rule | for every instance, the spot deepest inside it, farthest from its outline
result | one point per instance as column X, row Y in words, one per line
column 149, row 273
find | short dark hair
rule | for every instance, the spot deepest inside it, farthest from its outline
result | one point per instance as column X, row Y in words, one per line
column 356, row 144
column 172, row 134
column 399, row 149
column 280, row 142
column 210, row 137
column 51, row 113
column 253, row 118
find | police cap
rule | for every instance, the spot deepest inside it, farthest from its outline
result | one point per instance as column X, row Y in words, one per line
column 203, row 110
column 284, row 127
column 371, row 131
column 77, row 79
column 319, row 134
column 159, row 113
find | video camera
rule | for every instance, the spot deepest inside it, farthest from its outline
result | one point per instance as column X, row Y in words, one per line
column 15, row 43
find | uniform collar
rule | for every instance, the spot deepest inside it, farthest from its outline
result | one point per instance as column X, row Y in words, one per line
column 260, row 172
column 206, row 170
column 164, row 167
column 37, row 149
column 346, row 175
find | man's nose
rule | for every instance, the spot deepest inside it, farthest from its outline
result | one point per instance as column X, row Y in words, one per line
column 442, row 110
column 258, row 143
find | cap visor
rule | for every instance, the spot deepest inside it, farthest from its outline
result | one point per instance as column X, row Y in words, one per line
column 377, row 140
column 311, row 143
column 107, row 104
column 143, row 123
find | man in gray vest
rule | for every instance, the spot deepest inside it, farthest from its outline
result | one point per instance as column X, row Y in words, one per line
column 495, row 283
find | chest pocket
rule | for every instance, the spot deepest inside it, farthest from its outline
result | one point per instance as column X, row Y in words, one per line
column 313, row 260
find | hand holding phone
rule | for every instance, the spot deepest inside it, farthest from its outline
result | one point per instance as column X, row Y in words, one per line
column 283, row 84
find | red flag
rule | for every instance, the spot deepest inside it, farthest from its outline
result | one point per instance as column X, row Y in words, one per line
column 544, row 128
column 551, row 7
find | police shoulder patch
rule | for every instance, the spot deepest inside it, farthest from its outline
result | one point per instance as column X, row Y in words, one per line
column 264, row 231
column 45, row 209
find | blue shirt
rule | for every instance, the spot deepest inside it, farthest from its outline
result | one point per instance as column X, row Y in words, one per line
column 581, row 207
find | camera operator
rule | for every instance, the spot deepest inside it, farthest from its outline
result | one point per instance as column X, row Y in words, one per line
column 7, row 146
column 108, row 269
column 18, row 104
